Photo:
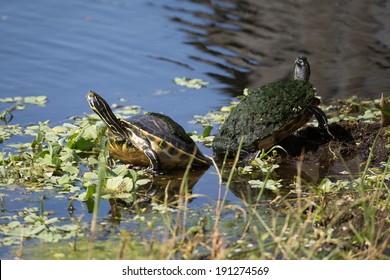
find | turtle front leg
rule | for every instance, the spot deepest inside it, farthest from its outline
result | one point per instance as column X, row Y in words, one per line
column 153, row 158
column 322, row 120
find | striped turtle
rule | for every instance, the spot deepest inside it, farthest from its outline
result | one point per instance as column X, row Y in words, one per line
column 151, row 140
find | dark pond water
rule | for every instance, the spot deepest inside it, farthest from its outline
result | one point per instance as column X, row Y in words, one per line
column 134, row 49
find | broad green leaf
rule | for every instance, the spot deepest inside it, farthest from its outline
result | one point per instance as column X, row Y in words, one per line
column 207, row 130
column 190, row 83
column 71, row 169
column 142, row 182
column 118, row 184
column 14, row 224
column 63, row 180
column 37, row 100
column 90, row 176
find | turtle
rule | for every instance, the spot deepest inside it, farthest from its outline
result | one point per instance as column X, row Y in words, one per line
column 271, row 113
column 151, row 140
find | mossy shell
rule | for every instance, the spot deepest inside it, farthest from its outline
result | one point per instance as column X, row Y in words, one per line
column 266, row 116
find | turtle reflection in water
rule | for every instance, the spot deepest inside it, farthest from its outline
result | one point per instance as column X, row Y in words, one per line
column 151, row 140
column 271, row 113
column 165, row 189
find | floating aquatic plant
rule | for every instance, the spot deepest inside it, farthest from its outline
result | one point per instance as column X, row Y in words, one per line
column 190, row 83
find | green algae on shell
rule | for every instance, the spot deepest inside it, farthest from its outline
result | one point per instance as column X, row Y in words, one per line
column 266, row 116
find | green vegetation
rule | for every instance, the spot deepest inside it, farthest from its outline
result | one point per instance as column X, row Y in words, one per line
column 274, row 219
column 190, row 83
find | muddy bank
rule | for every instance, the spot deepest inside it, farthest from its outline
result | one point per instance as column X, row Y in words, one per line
column 353, row 140
column 321, row 157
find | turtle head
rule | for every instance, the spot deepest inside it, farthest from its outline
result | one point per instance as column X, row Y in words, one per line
column 103, row 110
column 98, row 104
column 301, row 68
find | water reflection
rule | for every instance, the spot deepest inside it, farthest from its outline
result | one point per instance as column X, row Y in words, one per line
column 169, row 189
column 254, row 42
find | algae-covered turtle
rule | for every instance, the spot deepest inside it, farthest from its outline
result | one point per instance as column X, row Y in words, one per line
column 151, row 140
column 271, row 113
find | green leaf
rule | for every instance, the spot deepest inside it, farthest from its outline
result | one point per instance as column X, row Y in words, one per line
column 51, row 221
column 14, row 224
column 121, row 171
column 72, row 139
column 190, row 83
column 84, row 139
column 118, row 184
column 268, row 184
column 142, row 182
column 32, row 218
column 90, row 192
column 71, row 169
column 207, row 131
column 37, row 230
column 90, row 176
column 93, row 160
column 37, row 100
column 83, row 144
column 7, row 99
column 63, row 180
column 133, row 174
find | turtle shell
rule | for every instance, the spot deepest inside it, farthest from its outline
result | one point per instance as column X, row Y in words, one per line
column 163, row 135
column 266, row 116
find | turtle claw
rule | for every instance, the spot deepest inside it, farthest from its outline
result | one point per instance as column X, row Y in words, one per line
column 328, row 134
column 322, row 121
column 111, row 162
column 152, row 171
